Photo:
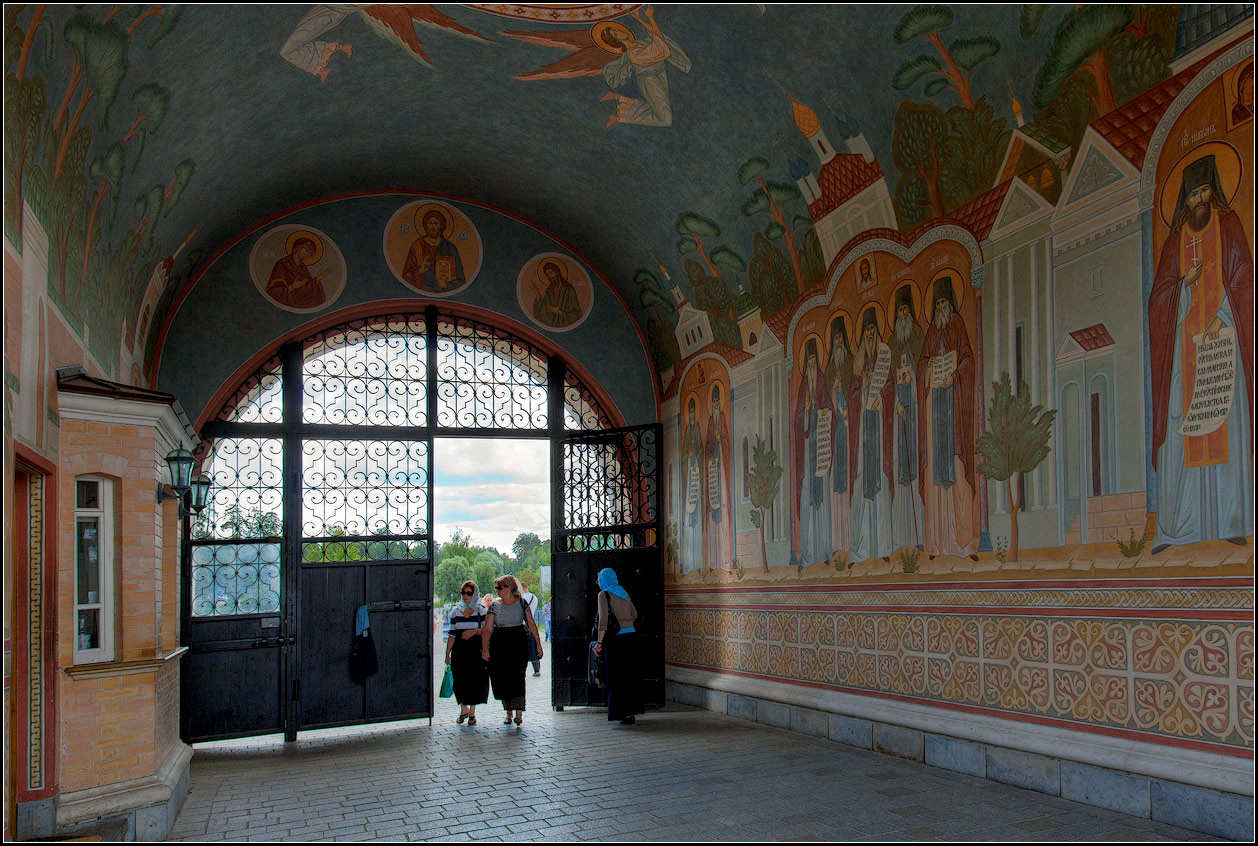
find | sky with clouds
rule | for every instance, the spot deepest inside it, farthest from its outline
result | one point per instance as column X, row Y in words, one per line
column 494, row 490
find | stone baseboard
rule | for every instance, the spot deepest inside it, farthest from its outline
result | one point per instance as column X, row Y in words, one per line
column 148, row 806
column 1208, row 806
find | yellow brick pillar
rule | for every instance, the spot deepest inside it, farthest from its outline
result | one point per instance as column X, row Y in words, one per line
column 120, row 754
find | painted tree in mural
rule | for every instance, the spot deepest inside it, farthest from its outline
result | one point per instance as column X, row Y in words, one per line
column 1101, row 57
column 772, row 278
column 917, row 147
column 764, row 478
column 712, row 294
column 1113, row 46
column 25, row 102
column 664, row 347
column 771, row 198
column 1016, row 441
column 959, row 58
column 946, row 158
column 50, row 169
column 776, row 280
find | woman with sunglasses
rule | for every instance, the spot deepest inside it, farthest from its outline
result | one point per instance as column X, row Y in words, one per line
column 463, row 654
column 505, row 646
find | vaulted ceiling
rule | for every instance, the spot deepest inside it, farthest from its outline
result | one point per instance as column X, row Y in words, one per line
column 240, row 113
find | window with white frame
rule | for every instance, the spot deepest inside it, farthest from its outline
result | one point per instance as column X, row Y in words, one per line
column 93, row 570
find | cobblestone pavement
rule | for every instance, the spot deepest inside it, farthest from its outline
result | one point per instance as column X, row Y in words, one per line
column 679, row 774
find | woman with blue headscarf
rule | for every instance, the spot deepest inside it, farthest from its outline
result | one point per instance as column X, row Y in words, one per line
column 618, row 641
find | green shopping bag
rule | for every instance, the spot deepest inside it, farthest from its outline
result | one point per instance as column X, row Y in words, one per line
column 447, row 684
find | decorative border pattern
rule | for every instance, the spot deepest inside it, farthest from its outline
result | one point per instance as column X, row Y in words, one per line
column 1169, row 679
column 34, row 636
column 1202, row 599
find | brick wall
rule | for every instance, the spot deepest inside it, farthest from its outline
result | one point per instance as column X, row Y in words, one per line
column 1116, row 516
column 121, row 719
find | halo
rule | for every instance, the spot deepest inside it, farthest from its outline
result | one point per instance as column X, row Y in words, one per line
column 423, row 210
column 720, row 395
column 822, row 346
column 959, row 284
column 848, row 326
column 1226, row 160
column 292, row 240
column 858, row 322
column 622, row 33
column 915, row 297
column 693, row 396
column 563, row 268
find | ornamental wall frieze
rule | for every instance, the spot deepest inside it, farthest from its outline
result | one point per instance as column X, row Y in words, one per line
column 1186, row 680
column 1127, row 598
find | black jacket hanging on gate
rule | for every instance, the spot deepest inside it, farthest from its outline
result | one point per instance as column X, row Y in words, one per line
column 362, row 656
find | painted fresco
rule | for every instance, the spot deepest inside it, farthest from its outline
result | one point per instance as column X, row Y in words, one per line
column 73, row 171
column 432, row 248
column 705, row 466
column 1201, row 321
column 917, row 446
column 395, row 23
column 612, row 50
column 297, row 268
column 554, row 292
column 950, row 307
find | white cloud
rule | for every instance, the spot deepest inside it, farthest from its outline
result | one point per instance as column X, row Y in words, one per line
column 493, row 512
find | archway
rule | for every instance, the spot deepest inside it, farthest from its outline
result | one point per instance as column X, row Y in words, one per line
column 322, row 465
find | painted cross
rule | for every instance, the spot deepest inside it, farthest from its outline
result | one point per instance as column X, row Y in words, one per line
column 1193, row 242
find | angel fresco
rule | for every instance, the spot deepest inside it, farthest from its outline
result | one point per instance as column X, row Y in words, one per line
column 392, row 22
column 611, row 48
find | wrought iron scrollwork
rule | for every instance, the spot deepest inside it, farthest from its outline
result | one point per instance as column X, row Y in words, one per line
column 610, row 496
column 246, row 493
column 487, row 379
column 582, row 411
column 259, row 399
column 235, row 578
column 363, row 494
column 368, row 373
column 360, row 490
column 236, row 539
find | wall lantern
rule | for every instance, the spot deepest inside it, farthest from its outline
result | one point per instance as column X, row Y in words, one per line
column 191, row 493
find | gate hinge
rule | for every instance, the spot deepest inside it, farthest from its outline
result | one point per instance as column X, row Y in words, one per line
column 296, row 689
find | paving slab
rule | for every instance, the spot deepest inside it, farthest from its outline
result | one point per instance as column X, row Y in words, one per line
column 681, row 773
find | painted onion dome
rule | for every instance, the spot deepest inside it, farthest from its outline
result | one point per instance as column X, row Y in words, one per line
column 799, row 167
column 805, row 118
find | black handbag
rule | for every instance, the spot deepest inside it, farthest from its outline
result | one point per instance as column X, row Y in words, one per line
column 595, row 668
column 596, row 672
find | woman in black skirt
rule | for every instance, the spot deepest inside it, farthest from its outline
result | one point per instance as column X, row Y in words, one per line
column 505, row 646
column 471, row 676
column 618, row 642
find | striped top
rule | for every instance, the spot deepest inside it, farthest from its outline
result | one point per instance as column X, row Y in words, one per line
column 460, row 624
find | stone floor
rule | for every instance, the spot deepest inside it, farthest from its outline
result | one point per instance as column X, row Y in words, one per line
column 679, row 774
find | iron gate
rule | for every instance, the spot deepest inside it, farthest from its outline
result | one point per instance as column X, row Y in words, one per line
column 322, row 469
column 605, row 513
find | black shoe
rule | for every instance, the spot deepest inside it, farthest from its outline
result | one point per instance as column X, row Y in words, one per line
column 1162, row 547
column 1239, row 541
column 628, row 721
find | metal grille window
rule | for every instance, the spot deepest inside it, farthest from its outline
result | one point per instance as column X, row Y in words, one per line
column 324, row 453
column 367, row 373
column 609, row 494
column 487, row 379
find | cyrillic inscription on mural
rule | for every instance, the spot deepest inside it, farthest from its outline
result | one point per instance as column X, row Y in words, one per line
column 1212, row 387
column 825, row 439
column 941, row 369
column 878, row 379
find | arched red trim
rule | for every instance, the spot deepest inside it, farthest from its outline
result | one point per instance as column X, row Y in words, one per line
column 381, row 307
column 187, row 287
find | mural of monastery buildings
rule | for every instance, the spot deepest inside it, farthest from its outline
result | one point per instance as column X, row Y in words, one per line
column 942, row 472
